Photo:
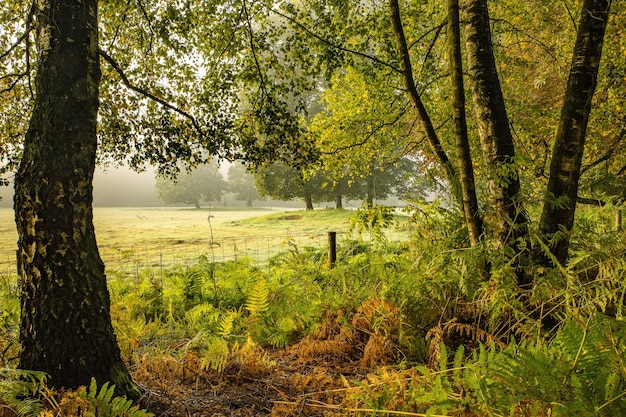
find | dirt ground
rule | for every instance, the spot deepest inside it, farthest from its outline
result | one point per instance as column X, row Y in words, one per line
column 278, row 384
column 315, row 377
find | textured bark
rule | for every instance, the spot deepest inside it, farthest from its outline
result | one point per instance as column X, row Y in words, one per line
column 560, row 202
column 509, row 218
column 414, row 96
column 65, row 327
column 473, row 219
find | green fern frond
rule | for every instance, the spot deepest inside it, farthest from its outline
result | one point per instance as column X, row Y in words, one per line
column 215, row 354
column 226, row 323
column 19, row 389
column 108, row 405
column 257, row 301
column 202, row 317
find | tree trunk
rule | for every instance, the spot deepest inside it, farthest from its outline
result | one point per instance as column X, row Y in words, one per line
column 509, row 217
column 338, row 201
column 371, row 191
column 557, row 217
column 308, row 199
column 414, row 96
column 65, row 327
column 473, row 219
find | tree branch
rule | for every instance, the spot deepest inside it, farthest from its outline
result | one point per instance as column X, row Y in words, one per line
column 609, row 153
column 253, row 50
column 431, row 45
column 334, row 45
column 24, row 37
column 151, row 96
column 590, row 201
column 369, row 135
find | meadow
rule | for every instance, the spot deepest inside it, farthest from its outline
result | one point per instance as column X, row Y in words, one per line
column 140, row 237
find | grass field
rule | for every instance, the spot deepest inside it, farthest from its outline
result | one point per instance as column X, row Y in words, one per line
column 140, row 237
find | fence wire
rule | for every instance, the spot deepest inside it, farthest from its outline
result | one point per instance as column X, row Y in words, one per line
column 136, row 257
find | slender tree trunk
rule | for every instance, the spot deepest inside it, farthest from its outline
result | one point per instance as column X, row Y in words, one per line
column 509, row 216
column 493, row 121
column 65, row 327
column 414, row 96
column 371, row 191
column 559, row 206
column 472, row 216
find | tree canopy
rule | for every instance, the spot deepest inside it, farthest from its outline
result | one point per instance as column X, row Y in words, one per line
column 203, row 183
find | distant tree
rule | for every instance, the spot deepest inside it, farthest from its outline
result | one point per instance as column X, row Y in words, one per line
column 241, row 184
column 282, row 181
column 397, row 179
column 205, row 183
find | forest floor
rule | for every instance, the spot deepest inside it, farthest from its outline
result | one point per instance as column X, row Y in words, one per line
column 315, row 377
column 292, row 388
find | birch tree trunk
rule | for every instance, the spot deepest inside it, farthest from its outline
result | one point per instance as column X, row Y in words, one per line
column 507, row 217
column 559, row 206
column 473, row 219
column 65, row 327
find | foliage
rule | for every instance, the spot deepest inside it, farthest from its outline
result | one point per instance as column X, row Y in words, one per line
column 204, row 183
column 372, row 220
column 92, row 401
column 9, row 317
column 20, row 391
column 241, row 183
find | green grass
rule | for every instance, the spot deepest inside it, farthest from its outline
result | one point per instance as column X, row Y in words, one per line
column 140, row 237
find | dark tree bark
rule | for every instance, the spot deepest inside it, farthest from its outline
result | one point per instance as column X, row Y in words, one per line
column 65, row 327
column 414, row 96
column 308, row 200
column 559, row 206
column 509, row 217
column 473, row 219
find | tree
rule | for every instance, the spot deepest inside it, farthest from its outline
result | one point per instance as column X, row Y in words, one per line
column 282, row 181
column 559, row 207
column 65, row 325
column 473, row 218
column 509, row 217
column 241, row 183
column 204, row 183
column 502, row 166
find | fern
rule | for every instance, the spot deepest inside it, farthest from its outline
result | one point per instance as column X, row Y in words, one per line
column 257, row 301
column 104, row 403
column 20, row 390
column 215, row 353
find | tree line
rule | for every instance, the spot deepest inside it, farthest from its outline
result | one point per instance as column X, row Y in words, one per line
column 283, row 182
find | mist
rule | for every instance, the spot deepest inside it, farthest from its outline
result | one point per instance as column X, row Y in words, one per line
column 119, row 187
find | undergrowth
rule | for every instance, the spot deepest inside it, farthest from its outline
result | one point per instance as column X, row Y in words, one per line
column 432, row 331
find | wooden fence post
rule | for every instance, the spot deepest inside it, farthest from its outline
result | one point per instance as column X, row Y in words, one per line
column 332, row 248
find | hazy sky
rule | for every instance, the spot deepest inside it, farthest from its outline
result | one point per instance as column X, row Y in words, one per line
column 113, row 187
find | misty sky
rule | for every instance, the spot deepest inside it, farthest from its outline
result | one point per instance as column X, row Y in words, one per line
column 113, row 187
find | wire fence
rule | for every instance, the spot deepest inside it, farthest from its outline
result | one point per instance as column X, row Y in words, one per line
column 167, row 254
column 258, row 249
